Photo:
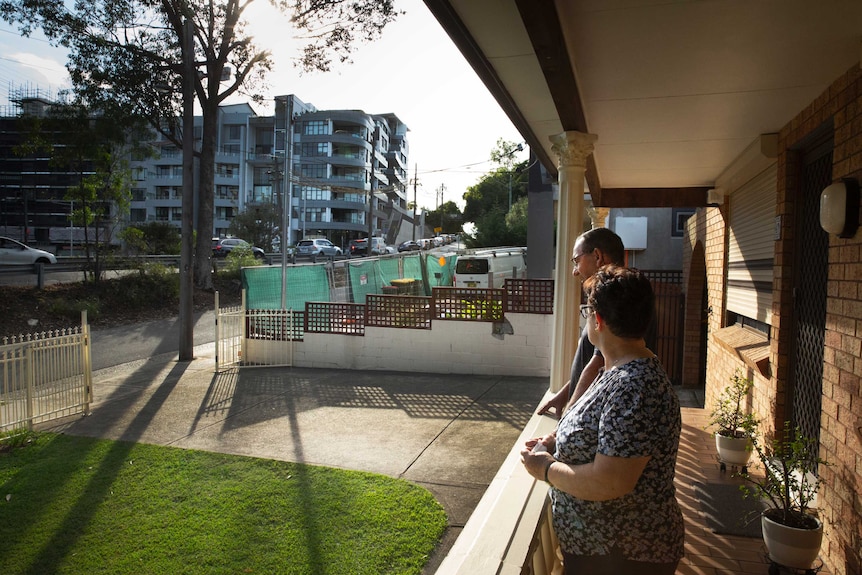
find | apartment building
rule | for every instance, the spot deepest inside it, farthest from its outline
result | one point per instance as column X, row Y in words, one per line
column 342, row 172
column 330, row 165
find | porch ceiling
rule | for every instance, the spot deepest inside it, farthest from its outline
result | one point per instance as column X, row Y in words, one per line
column 674, row 89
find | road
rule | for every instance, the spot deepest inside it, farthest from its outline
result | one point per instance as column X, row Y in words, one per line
column 118, row 345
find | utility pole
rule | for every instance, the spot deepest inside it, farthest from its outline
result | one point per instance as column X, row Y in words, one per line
column 374, row 137
column 415, row 183
column 287, row 195
column 187, row 336
column 441, row 190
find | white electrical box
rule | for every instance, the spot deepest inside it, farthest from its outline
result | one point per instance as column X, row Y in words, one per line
column 633, row 231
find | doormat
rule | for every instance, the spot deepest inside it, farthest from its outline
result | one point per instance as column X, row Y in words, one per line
column 728, row 511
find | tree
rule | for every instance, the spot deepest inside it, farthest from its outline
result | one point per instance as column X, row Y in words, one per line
column 448, row 216
column 487, row 202
column 258, row 225
column 153, row 238
column 126, row 55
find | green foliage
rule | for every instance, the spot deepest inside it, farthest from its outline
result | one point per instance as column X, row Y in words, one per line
column 170, row 510
column 448, row 216
column 790, row 480
column 15, row 438
column 257, row 225
column 71, row 309
column 153, row 238
column 729, row 415
column 238, row 258
column 487, row 202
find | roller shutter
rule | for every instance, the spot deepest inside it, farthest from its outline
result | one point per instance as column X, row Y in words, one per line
column 751, row 250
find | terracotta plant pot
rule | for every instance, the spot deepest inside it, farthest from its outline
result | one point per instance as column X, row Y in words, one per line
column 733, row 450
column 789, row 546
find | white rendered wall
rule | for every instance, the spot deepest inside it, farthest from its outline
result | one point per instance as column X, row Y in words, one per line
column 450, row 347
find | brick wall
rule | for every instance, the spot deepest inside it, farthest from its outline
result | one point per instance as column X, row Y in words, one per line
column 841, row 417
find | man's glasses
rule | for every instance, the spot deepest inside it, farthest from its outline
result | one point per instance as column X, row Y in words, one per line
column 586, row 311
column 578, row 257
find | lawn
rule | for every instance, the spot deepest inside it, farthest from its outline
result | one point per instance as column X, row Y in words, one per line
column 78, row 505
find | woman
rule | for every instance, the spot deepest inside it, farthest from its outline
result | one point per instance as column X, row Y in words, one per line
column 614, row 451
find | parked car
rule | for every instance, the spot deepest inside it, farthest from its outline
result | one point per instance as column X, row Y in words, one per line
column 409, row 246
column 221, row 248
column 360, row 247
column 313, row 248
column 13, row 252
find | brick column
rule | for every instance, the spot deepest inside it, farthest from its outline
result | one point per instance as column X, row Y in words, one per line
column 572, row 149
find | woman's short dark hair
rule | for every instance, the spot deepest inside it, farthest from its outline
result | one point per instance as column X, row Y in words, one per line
column 624, row 298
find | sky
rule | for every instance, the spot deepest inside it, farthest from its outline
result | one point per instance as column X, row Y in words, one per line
column 414, row 71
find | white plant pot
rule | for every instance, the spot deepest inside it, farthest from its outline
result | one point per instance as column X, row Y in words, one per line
column 789, row 546
column 733, row 450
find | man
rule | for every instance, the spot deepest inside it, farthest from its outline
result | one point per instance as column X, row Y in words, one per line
column 593, row 249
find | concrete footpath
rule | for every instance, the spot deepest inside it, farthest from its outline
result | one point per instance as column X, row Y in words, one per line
column 447, row 433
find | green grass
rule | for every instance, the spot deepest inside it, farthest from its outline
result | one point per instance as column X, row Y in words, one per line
column 77, row 505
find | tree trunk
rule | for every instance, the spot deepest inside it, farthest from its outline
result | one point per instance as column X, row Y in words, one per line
column 205, row 203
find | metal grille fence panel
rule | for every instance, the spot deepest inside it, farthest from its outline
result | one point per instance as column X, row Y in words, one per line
column 529, row 295
column 411, row 312
column 343, row 318
column 469, row 304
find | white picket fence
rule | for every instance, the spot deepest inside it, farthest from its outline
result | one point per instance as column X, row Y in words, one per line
column 45, row 376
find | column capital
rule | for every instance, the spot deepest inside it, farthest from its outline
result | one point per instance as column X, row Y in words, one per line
column 573, row 148
column 598, row 216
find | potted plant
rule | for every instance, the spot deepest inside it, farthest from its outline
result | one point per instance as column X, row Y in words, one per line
column 792, row 532
column 734, row 427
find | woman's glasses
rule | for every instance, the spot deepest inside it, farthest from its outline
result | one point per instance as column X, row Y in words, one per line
column 586, row 311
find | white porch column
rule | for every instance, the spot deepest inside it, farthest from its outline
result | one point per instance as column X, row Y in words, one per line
column 572, row 149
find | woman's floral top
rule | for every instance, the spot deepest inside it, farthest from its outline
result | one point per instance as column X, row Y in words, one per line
column 629, row 411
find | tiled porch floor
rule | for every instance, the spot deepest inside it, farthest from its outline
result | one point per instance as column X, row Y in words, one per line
column 707, row 553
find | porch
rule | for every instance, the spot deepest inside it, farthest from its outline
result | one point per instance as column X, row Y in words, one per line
column 508, row 532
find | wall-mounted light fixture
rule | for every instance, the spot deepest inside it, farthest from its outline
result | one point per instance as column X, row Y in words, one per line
column 839, row 208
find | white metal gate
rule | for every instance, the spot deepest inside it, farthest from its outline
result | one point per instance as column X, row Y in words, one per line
column 45, row 376
column 229, row 334
column 249, row 338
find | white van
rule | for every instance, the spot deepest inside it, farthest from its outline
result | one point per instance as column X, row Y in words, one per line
column 490, row 268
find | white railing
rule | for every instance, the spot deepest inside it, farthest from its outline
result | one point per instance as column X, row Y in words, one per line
column 45, row 376
column 510, row 531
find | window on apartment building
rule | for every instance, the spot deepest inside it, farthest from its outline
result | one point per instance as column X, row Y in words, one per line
column 162, row 214
column 315, row 214
column 170, row 152
column 355, row 174
column 313, row 193
column 176, row 214
column 315, row 149
column 751, row 252
column 234, row 132
column 231, row 149
column 163, row 193
column 139, row 194
column 137, row 215
column 313, row 170
column 315, row 128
